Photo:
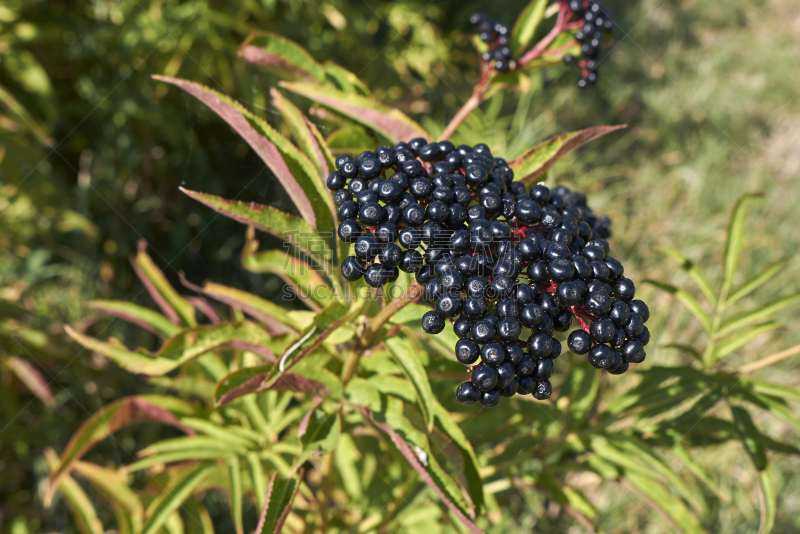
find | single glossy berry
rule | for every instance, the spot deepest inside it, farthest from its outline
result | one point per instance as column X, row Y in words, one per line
column 531, row 315
column 644, row 337
column 527, row 212
column 412, row 261
column 508, row 329
column 602, row 330
column 386, row 232
column 493, row 354
column 561, row 270
column 562, row 321
column 511, row 389
column 484, row 377
column 376, row 276
column 579, row 342
column 615, row 268
column 619, row 313
column 543, row 390
column 353, row 268
column 624, row 290
column 507, row 308
column 467, row 393
column 449, row 304
column 475, row 307
column 622, row 368
column 543, row 369
column 336, row 181
column 633, row 351
column 467, row 351
column 491, row 398
column 637, row 306
column 569, row 294
column 390, row 256
column 619, row 338
column 556, row 352
column 540, row 345
column 366, row 247
column 349, row 231
column 601, row 356
column 505, row 374
column 540, row 194
column 526, row 385
column 483, row 331
column 370, row 214
column 432, row 323
column 597, row 303
column 634, row 326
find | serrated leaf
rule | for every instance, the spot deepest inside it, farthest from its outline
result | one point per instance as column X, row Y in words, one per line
column 687, row 300
column 175, row 307
column 265, row 141
column 406, row 356
column 693, row 271
column 286, row 227
column 32, row 378
column 525, row 26
column 734, row 242
column 750, row 285
column 112, row 417
column 389, row 122
column 146, row 318
column 426, row 473
column 535, row 162
column 305, row 279
column 345, row 80
column 83, row 511
column 673, row 509
column 742, row 338
column 173, row 497
column 187, row 345
column 299, row 125
column 757, row 314
column 321, row 435
column 278, row 503
column 281, row 55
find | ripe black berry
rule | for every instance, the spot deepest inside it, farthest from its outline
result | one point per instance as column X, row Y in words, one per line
column 484, row 377
column 432, row 323
column 467, row 393
column 467, row 351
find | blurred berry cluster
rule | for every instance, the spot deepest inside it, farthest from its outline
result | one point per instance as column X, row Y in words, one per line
column 496, row 35
column 597, row 24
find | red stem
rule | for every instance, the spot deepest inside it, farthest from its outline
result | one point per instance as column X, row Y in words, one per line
column 563, row 17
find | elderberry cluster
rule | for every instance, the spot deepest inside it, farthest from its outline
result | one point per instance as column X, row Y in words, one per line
column 507, row 266
column 496, row 35
column 597, row 22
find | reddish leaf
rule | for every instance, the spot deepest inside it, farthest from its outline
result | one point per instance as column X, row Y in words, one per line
column 538, row 159
column 32, row 379
column 239, row 119
column 303, row 426
column 278, row 503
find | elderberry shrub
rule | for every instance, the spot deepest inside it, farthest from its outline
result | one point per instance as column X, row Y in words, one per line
column 497, row 36
column 597, row 24
column 508, row 266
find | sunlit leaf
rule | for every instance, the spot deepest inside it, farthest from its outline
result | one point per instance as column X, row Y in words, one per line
column 83, row 510
column 235, row 475
column 750, row 436
column 114, row 416
column 32, row 378
column 693, row 271
column 742, row 338
column 454, row 432
column 187, row 345
column 389, row 122
column 299, row 126
column 405, row 355
column 687, row 300
column 174, row 496
column 673, row 509
column 750, row 285
column 138, row 315
column 278, row 503
column 535, row 162
column 178, row 309
column 346, row 80
column 525, row 26
column 304, row 279
column 581, row 387
column 127, row 506
column 762, row 312
column 768, row 501
column 282, row 55
column 734, row 242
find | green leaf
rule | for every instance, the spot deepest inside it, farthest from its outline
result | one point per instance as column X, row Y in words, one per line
column 278, row 503
column 454, row 432
column 112, row 417
column 734, row 242
column 768, row 501
column 757, row 314
column 83, row 511
column 187, row 345
column 305, row 279
column 750, row 436
column 170, row 501
column 299, row 126
column 275, row 318
column 687, row 300
column 258, row 482
column 406, row 356
column 321, row 435
column 32, row 378
column 687, row 349
column 345, row 80
column 284, row 160
column 138, row 315
column 766, row 387
column 350, row 140
column 128, row 508
column 281, row 55
column 742, row 338
column 525, row 26
column 581, row 387
column 410, row 314
column 535, row 162
column 286, row 227
column 175, row 307
column 347, row 458
column 693, row 271
column 691, row 463
column 389, row 122
column 235, row 475
column 197, row 443
column 755, row 282
column 673, row 509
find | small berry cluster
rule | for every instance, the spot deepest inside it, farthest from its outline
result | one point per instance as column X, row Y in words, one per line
column 496, row 35
column 494, row 259
column 597, row 21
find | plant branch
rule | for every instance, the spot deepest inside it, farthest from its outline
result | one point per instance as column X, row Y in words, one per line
column 541, row 46
column 769, row 360
column 412, row 294
column 470, row 105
